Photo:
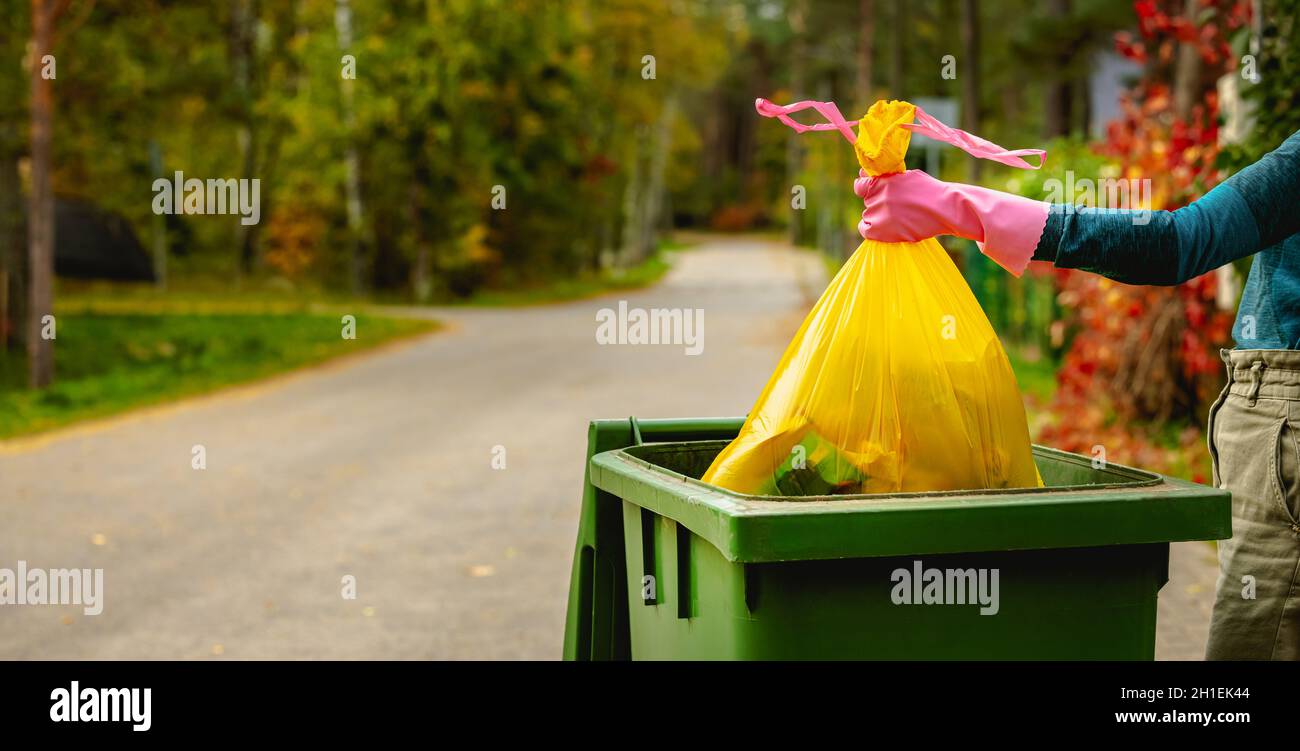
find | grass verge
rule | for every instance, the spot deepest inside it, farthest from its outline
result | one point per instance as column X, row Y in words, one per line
column 107, row 362
column 122, row 346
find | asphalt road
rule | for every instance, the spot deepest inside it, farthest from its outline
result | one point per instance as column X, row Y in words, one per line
column 380, row 467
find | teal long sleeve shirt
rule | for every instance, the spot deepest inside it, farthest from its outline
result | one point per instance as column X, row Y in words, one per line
column 1256, row 210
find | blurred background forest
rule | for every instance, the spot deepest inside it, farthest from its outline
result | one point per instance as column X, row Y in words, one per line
column 604, row 121
column 499, row 150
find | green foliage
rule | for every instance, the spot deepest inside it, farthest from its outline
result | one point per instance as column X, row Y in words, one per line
column 1064, row 156
column 1035, row 375
column 547, row 100
column 109, row 362
column 1274, row 98
column 14, row 30
column 451, row 98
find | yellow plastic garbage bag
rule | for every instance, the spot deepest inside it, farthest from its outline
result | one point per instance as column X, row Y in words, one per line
column 895, row 382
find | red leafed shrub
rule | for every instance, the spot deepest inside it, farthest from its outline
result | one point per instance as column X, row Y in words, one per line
column 736, row 218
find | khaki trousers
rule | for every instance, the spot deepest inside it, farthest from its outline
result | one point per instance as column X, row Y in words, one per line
column 1254, row 440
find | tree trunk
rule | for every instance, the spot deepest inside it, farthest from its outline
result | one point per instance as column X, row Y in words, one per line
column 159, row 223
column 421, row 265
column 898, row 57
column 1011, row 102
column 632, row 201
column 13, row 250
column 970, row 76
column 343, row 29
column 1187, row 73
column 422, row 261
column 1084, row 89
column 793, row 148
column 242, row 20
column 40, row 233
column 866, row 50
column 13, row 254
column 1060, row 109
column 654, row 189
column 421, row 225
column 1060, row 94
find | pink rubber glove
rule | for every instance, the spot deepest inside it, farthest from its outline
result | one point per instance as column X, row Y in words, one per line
column 912, row 206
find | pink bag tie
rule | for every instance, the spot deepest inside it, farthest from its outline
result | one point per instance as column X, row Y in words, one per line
column 925, row 124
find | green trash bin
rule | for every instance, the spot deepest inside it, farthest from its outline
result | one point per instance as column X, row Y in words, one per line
column 667, row 567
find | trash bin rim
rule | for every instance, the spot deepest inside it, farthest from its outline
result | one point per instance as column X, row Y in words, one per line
column 745, row 528
column 1139, row 478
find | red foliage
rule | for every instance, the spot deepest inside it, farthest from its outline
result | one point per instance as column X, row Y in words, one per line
column 736, row 218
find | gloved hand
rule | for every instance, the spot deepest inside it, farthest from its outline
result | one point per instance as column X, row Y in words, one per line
column 912, row 206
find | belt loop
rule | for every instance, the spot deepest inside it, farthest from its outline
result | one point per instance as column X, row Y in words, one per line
column 1256, row 380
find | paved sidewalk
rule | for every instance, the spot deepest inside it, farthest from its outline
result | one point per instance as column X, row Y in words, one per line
column 1183, row 621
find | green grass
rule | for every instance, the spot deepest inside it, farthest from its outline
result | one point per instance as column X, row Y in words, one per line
column 111, row 361
column 198, row 294
column 208, row 294
column 122, row 346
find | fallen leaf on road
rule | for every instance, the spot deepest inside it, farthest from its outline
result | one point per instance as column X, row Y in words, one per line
column 481, row 570
column 98, row 539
